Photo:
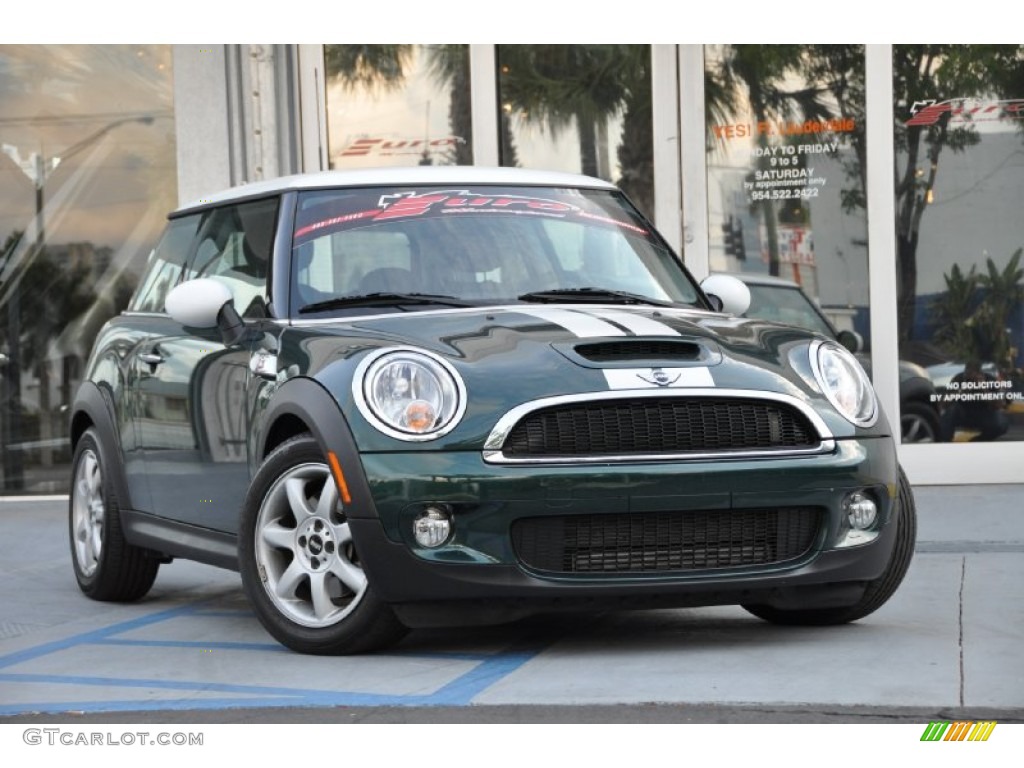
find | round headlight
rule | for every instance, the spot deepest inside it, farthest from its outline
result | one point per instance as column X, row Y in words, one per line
column 409, row 394
column 844, row 383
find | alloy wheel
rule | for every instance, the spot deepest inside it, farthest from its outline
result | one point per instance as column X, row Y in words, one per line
column 88, row 511
column 304, row 550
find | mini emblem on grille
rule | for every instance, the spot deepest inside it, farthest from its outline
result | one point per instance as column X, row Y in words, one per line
column 659, row 378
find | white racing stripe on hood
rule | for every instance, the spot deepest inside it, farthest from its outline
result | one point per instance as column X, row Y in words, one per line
column 583, row 326
column 638, row 324
column 654, row 378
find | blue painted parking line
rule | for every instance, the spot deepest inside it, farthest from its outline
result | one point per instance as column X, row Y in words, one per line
column 489, row 668
column 95, row 635
column 203, row 645
column 163, row 684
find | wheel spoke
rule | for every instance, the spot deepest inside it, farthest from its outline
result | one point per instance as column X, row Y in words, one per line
column 276, row 535
column 328, row 499
column 84, row 492
column 290, row 580
column 95, row 543
column 342, row 534
column 349, row 575
column 297, row 502
column 93, row 477
column 322, row 605
column 82, row 529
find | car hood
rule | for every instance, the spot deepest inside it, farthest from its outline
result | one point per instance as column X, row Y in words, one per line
column 512, row 355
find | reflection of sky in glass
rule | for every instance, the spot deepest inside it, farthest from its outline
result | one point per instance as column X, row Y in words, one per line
column 87, row 170
column 537, row 146
column 384, row 127
column 106, row 111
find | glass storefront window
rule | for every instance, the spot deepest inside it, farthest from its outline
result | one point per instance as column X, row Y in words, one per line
column 959, row 122
column 398, row 105
column 581, row 109
column 87, row 175
column 785, row 142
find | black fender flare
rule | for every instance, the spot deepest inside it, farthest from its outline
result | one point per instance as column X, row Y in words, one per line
column 308, row 400
column 94, row 405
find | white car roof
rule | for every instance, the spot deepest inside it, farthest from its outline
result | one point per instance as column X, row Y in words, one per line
column 370, row 177
column 753, row 278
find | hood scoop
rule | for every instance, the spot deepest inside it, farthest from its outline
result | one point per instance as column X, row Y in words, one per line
column 648, row 353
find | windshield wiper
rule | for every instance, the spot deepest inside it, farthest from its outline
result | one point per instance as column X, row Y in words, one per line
column 383, row 299
column 591, row 296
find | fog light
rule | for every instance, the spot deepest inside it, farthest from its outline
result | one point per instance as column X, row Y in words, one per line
column 432, row 527
column 861, row 511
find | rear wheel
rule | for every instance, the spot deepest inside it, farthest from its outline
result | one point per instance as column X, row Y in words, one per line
column 300, row 567
column 877, row 591
column 106, row 566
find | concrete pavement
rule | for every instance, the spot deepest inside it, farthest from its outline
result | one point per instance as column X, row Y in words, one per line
column 949, row 641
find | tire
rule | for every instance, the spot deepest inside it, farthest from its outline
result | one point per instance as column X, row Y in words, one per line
column 299, row 565
column 919, row 423
column 106, row 566
column 877, row 591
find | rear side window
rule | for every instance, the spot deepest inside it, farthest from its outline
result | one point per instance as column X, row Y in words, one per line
column 165, row 265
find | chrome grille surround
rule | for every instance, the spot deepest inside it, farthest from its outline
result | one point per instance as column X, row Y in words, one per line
column 493, row 452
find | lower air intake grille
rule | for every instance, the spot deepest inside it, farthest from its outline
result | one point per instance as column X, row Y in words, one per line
column 665, row 541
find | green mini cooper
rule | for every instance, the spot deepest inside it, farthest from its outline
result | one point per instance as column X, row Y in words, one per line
column 436, row 396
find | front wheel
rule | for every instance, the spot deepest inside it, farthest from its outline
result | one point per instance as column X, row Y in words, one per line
column 299, row 564
column 877, row 591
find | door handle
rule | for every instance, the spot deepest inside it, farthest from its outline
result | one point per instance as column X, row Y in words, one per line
column 152, row 358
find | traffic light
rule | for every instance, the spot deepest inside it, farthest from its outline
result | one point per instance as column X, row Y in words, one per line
column 727, row 237
column 738, row 246
column 732, row 234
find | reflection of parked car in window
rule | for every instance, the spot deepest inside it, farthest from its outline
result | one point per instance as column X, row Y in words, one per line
column 783, row 301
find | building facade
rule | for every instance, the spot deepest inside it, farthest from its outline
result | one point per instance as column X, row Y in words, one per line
column 884, row 180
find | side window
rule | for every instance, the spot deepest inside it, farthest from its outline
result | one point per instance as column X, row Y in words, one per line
column 234, row 245
column 165, row 265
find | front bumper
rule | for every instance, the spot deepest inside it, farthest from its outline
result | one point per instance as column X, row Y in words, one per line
column 478, row 577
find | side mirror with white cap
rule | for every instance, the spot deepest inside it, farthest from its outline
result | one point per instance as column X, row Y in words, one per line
column 206, row 303
column 728, row 293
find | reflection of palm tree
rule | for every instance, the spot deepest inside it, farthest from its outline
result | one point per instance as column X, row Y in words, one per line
column 449, row 64
column 1003, row 294
column 369, row 67
column 840, row 70
column 951, row 311
column 583, row 86
column 562, row 85
column 973, row 326
column 386, row 67
column 558, row 85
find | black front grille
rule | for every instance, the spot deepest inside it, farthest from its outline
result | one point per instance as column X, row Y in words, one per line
column 665, row 541
column 659, row 425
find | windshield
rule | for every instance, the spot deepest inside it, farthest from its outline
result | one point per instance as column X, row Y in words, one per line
column 479, row 245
